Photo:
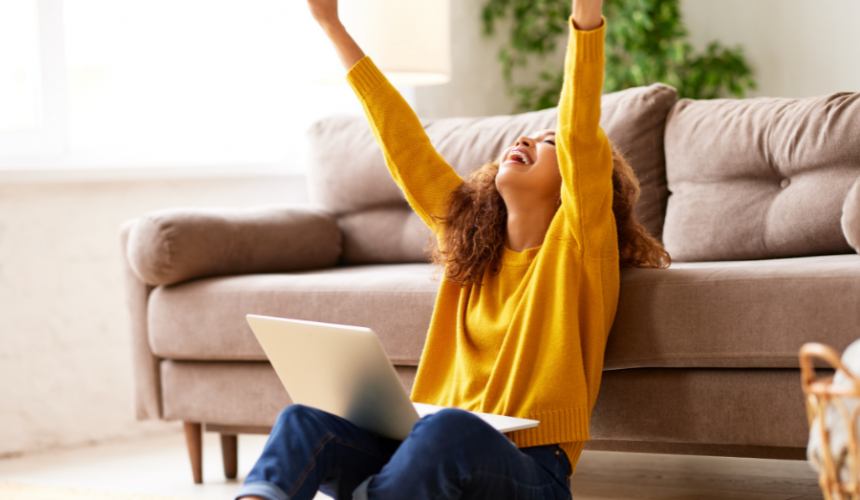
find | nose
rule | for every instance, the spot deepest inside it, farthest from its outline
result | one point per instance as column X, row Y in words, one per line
column 525, row 141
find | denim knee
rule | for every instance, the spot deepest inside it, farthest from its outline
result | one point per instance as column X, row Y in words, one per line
column 298, row 417
column 454, row 432
column 450, row 420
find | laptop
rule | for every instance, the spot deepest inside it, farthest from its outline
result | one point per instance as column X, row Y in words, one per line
column 343, row 370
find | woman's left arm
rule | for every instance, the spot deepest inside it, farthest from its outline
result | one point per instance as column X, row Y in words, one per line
column 584, row 152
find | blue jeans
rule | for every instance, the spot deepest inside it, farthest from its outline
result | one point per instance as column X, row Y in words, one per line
column 450, row 455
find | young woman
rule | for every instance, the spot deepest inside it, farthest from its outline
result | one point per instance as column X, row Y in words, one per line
column 531, row 246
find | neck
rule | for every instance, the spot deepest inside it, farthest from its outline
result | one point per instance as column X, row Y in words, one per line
column 527, row 225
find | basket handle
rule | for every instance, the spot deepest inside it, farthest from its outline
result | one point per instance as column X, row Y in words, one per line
column 808, row 353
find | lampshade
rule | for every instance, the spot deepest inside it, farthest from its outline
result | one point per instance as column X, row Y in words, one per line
column 409, row 40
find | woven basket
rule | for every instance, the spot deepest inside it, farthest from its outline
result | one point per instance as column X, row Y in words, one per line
column 820, row 395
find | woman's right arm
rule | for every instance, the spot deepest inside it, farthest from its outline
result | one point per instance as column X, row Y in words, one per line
column 325, row 14
column 421, row 172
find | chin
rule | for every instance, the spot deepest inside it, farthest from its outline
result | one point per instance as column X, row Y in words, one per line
column 512, row 179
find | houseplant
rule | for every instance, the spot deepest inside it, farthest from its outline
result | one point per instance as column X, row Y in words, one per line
column 646, row 42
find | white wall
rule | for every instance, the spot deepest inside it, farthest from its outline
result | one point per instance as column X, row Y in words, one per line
column 65, row 361
column 476, row 87
column 798, row 48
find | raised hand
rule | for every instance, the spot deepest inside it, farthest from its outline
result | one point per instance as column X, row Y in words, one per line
column 587, row 14
column 324, row 12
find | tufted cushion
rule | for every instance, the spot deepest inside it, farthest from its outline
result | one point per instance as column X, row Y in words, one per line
column 851, row 216
column 351, row 179
column 760, row 178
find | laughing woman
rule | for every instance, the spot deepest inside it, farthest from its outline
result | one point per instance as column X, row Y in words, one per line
column 531, row 245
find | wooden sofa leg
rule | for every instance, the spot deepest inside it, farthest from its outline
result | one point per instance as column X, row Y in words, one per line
column 194, row 441
column 230, row 454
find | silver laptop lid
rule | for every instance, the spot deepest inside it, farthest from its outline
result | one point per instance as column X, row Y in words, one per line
column 339, row 369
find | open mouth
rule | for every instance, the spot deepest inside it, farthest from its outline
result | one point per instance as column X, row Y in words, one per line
column 520, row 157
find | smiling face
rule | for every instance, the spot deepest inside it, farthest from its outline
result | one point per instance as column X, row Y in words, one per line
column 529, row 168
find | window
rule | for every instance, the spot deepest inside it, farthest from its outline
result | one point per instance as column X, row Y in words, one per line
column 32, row 108
column 164, row 82
column 20, row 85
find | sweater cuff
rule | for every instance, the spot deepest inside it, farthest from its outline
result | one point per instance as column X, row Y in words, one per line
column 364, row 76
column 556, row 426
column 588, row 44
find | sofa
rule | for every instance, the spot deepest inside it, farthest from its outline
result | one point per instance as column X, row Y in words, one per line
column 757, row 201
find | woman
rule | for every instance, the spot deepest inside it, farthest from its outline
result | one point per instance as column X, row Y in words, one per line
column 532, row 244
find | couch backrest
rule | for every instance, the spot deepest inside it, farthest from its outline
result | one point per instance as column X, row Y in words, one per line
column 760, row 178
column 349, row 177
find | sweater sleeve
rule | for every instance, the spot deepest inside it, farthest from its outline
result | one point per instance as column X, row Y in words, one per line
column 584, row 152
column 424, row 176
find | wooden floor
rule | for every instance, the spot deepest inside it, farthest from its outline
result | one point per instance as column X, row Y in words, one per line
column 158, row 465
column 611, row 476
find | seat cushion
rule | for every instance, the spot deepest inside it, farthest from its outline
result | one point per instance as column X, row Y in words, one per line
column 205, row 319
column 744, row 314
column 741, row 314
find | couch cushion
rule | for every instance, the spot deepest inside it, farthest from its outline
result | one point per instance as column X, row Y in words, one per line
column 719, row 315
column 353, row 178
column 394, row 234
column 205, row 319
column 753, row 314
column 760, row 178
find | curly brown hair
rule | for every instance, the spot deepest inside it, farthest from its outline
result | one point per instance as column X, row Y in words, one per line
column 473, row 231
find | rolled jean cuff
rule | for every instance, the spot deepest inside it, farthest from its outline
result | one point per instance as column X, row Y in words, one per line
column 262, row 489
column 360, row 492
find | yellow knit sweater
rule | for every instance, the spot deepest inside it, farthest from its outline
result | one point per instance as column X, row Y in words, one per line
column 529, row 342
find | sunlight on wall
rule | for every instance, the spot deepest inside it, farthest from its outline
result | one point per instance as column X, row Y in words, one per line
column 187, row 80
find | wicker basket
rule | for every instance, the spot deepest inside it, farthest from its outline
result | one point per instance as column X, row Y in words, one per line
column 820, row 395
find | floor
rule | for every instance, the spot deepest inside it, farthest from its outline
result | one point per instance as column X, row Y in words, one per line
column 155, row 465
column 158, row 465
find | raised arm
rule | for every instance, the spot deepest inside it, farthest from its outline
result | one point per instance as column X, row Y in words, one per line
column 325, row 14
column 584, row 152
column 421, row 172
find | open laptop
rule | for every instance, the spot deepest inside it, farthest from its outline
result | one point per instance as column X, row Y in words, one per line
column 344, row 371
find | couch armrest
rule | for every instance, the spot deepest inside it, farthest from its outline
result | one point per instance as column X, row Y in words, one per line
column 851, row 216
column 180, row 244
column 147, row 377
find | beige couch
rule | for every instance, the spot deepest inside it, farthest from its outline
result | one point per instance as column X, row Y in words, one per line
column 702, row 358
